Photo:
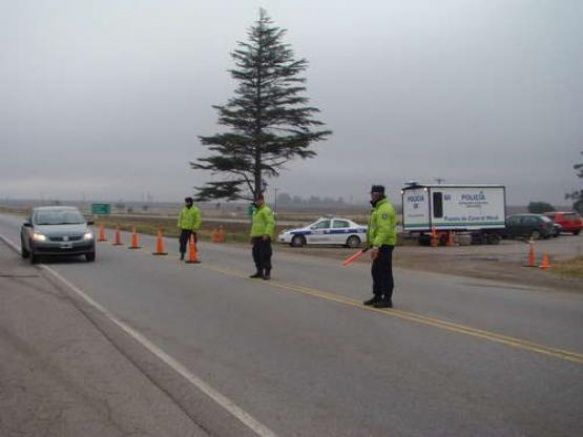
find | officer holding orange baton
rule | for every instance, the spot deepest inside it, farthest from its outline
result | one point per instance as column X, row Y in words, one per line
column 381, row 238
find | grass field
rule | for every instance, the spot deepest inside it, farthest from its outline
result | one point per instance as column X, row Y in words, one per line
column 237, row 231
column 234, row 232
column 572, row 268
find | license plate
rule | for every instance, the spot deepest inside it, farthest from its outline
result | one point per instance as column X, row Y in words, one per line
column 66, row 245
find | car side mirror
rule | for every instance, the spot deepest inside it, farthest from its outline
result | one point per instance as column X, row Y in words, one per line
column 27, row 224
column 90, row 222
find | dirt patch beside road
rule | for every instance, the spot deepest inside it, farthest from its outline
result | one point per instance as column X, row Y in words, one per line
column 505, row 262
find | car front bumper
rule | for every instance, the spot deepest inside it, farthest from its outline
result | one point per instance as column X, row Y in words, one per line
column 63, row 249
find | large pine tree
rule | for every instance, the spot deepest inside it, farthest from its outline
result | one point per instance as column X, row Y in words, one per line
column 268, row 122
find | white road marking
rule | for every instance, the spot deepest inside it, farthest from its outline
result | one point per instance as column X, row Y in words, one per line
column 175, row 365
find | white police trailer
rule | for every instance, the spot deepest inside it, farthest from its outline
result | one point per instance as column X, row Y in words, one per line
column 476, row 210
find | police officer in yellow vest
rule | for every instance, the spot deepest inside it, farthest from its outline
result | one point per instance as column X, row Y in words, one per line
column 262, row 227
column 188, row 221
column 381, row 238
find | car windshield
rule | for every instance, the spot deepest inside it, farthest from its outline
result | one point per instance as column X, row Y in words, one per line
column 59, row 217
column 546, row 219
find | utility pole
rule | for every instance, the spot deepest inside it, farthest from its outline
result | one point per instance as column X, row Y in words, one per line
column 274, row 200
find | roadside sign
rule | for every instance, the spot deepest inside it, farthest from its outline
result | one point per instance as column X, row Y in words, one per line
column 100, row 208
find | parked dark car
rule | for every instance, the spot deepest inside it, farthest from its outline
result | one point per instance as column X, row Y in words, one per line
column 569, row 221
column 535, row 226
column 56, row 230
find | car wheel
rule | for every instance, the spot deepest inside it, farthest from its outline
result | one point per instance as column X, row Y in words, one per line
column 535, row 235
column 576, row 232
column 353, row 241
column 90, row 257
column 298, row 241
column 33, row 258
column 23, row 250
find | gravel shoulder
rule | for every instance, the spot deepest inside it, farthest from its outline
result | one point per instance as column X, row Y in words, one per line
column 505, row 262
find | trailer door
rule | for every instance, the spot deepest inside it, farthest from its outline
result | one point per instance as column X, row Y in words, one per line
column 415, row 209
column 437, row 204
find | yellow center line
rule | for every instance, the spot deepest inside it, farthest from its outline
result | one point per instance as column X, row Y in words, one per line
column 417, row 318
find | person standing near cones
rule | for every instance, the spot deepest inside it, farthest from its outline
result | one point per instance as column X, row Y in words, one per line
column 381, row 238
column 189, row 222
column 262, row 227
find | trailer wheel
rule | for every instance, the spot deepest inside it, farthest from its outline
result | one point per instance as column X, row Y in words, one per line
column 424, row 240
column 443, row 239
column 493, row 239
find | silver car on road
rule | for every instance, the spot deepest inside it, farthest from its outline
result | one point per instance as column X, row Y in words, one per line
column 58, row 231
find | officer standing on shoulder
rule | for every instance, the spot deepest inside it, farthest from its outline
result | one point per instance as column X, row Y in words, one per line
column 381, row 238
column 262, row 227
column 189, row 222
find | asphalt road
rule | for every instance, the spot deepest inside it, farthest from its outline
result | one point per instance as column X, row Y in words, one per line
column 298, row 355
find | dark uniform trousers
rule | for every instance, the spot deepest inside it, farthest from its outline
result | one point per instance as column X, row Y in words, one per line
column 262, row 254
column 183, row 239
column 382, row 272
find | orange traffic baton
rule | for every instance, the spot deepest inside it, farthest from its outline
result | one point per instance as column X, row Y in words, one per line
column 350, row 260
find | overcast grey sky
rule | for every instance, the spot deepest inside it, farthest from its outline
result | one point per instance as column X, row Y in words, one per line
column 105, row 99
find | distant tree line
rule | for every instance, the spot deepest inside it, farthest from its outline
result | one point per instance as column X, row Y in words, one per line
column 284, row 199
column 540, row 207
column 577, row 195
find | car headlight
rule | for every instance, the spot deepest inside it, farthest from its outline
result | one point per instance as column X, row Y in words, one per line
column 39, row 237
column 88, row 236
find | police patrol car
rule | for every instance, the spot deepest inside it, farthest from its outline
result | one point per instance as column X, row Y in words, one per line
column 325, row 230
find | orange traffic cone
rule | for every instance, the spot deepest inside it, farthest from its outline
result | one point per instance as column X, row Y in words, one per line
column 433, row 237
column 451, row 238
column 531, row 255
column 218, row 235
column 101, row 234
column 134, row 241
column 545, row 264
column 160, row 245
column 117, row 241
column 192, row 252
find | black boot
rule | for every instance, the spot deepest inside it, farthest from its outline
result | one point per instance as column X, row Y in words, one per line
column 257, row 275
column 372, row 301
column 383, row 303
column 267, row 275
